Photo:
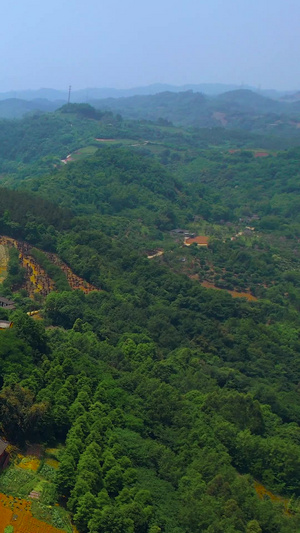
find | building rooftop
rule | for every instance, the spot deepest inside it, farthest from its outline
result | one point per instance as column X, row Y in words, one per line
column 3, row 446
column 5, row 324
column 5, row 302
column 201, row 240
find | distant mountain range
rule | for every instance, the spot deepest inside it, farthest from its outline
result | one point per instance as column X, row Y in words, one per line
column 85, row 95
column 234, row 109
column 238, row 109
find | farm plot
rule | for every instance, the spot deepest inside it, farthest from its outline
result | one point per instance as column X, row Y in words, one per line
column 17, row 513
column 28, row 496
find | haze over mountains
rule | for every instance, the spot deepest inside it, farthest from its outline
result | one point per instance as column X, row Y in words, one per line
column 221, row 106
column 83, row 95
column 239, row 108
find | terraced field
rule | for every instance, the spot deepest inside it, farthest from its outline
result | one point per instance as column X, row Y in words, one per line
column 4, row 256
column 37, row 279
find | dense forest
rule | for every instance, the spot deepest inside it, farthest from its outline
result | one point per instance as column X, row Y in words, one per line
column 174, row 407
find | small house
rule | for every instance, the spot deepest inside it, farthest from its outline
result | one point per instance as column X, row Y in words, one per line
column 201, row 240
column 5, row 324
column 6, row 304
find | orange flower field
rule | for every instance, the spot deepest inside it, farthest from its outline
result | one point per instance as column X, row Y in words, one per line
column 17, row 513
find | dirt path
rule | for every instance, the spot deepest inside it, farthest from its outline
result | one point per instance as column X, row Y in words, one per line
column 105, row 140
column 157, row 254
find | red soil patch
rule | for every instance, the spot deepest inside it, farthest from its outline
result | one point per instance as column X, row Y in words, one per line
column 234, row 294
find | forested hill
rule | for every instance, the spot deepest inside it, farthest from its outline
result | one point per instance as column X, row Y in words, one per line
column 166, row 407
column 51, row 134
column 115, row 181
column 15, row 104
column 35, row 144
column 241, row 109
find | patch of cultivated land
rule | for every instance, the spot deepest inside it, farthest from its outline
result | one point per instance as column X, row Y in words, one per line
column 28, row 496
column 4, row 257
column 17, row 513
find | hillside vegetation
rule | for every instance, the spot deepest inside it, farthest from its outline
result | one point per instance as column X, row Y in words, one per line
column 242, row 109
column 175, row 408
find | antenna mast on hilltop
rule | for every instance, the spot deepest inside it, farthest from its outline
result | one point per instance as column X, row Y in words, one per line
column 69, row 96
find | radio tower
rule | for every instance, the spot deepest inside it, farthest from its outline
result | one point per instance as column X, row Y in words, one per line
column 69, row 96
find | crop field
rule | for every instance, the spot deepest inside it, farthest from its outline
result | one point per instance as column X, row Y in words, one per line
column 17, row 513
column 29, row 463
column 28, row 497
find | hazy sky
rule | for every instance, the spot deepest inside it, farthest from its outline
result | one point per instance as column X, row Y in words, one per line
column 127, row 43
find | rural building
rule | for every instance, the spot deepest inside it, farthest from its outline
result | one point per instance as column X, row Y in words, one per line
column 7, row 304
column 201, row 240
column 4, row 456
column 5, row 324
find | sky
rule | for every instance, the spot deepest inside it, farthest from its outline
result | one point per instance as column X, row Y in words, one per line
column 131, row 43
